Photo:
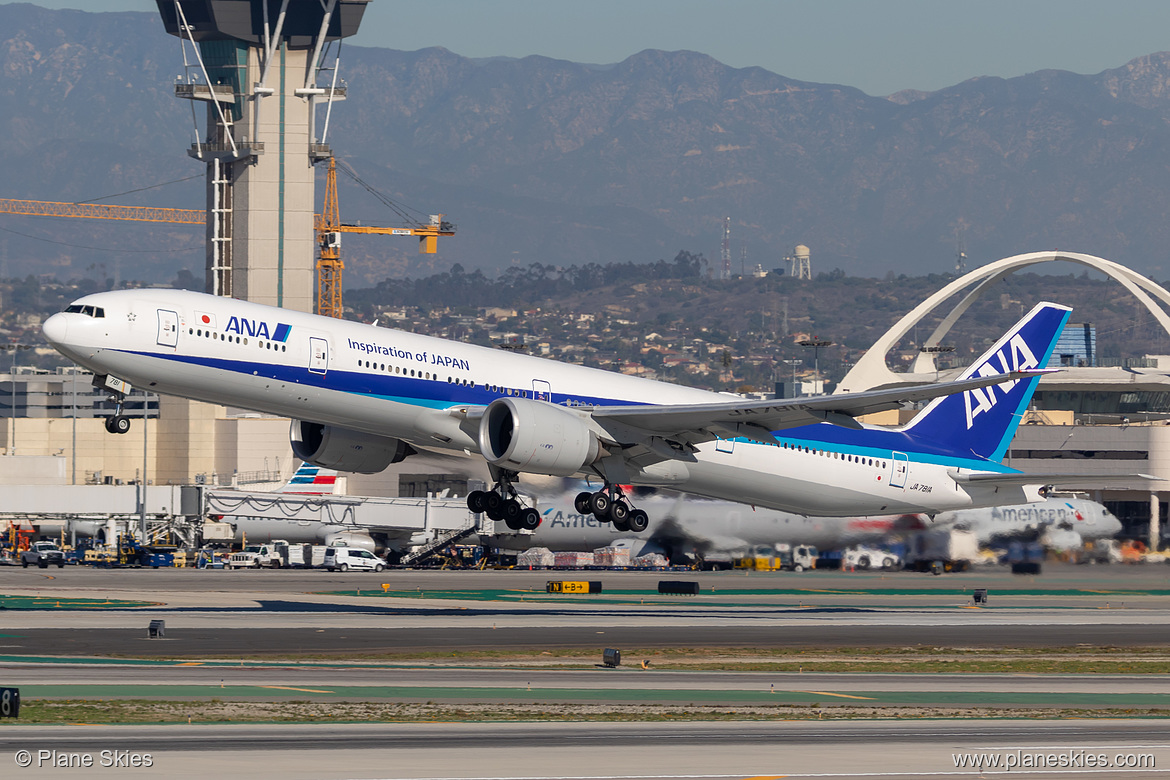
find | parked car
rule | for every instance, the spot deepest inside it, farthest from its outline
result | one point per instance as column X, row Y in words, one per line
column 355, row 558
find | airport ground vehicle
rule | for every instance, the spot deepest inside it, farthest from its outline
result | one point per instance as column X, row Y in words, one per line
column 271, row 555
column 944, row 549
column 866, row 558
column 43, row 554
column 352, row 558
column 779, row 557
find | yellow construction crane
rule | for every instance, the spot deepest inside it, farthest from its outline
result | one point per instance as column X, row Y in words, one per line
column 328, row 226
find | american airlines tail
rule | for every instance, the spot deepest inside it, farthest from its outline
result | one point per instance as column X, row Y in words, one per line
column 980, row 423
column 311, row 480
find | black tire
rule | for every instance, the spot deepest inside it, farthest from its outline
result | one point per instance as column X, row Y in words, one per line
column 863, row 562
column 798, row 568
column 620, row 512
column 330, row 568
column 344, row 567
column 378, row 567
column 492, row 502
column 23, row 563
column 120, row 424
column 599, row 505
column 581, row 503
column 61, row 565
column 42, row 565
column 513, row 523
column 622, row 525
column 475, row 501
column 512, row 510
column 529, row 520
column 638, row 521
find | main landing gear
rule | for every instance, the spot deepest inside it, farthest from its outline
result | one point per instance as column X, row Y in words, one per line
column 610, row 505
column 119, row 423
column 503, row 503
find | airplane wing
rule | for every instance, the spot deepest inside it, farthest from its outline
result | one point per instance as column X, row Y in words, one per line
column 670, row 431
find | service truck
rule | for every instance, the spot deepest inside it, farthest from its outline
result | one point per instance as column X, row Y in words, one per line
column 942, row 549
column 43, row 554
column 270, row 555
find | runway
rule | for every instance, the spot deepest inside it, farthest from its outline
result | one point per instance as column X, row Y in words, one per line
column 336, row 643
column 581, row 751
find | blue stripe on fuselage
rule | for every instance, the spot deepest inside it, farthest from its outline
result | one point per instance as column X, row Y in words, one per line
column 438, row 394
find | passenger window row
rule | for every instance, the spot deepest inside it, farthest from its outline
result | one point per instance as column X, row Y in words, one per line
column 211, row 334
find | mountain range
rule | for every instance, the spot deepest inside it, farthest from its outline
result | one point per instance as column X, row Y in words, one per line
column 543, row 160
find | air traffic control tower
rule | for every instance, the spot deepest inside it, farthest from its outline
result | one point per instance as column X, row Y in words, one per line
column 256, row 64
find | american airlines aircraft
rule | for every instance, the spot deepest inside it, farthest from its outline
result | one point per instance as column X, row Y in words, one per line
column 683, row 527
column 363, row 397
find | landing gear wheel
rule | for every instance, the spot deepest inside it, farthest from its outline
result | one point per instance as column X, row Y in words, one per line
column 512, row 523
column 621, row 525
column 493, row 505
column 599, row 504
column 638, row 521
column 529, row 520
column 475, row 501
column 118, row 424
column 512, row 510
column 581, row 503
column 619, row 512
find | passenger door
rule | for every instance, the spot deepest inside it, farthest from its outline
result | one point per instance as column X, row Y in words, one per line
column 901, row 467
column 318, row 355
column 168, row 328
column 541, row 390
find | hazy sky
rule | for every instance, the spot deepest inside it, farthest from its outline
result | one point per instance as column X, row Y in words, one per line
column 879, row 46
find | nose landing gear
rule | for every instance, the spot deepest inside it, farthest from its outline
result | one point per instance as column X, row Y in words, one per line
column 118, row 423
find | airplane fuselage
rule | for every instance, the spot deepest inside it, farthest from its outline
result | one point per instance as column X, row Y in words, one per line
column 418, row 389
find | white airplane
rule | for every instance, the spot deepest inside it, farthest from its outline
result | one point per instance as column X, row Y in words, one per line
column 684, row 527
column 363, row 397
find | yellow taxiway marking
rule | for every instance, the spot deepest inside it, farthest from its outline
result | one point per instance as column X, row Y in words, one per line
column 289, row 688
column 190, row 663
column 838, row 695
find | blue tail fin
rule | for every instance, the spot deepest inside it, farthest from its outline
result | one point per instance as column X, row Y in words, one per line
column 982, row 422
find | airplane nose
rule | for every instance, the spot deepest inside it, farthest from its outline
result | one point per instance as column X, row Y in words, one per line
column 56, row 328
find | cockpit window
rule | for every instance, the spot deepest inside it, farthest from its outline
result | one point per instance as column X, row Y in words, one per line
column 88, row 311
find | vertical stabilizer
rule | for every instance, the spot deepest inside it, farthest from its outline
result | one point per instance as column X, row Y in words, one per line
column 981, row 422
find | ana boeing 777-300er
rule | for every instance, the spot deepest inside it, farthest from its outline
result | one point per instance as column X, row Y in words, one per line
column 363, row 397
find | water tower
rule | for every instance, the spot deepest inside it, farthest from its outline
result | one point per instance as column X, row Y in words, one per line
column 799, row 263
column 256, row 66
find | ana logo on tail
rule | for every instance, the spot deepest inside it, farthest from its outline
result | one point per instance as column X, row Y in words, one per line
column 984, row 399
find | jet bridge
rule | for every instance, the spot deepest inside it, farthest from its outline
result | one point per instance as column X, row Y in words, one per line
column 397, row 515
column 180, row 511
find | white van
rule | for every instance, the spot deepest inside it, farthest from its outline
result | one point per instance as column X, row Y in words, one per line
column 355, row 558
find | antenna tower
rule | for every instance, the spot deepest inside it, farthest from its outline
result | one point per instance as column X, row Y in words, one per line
column 726, row 248
column 960, row 252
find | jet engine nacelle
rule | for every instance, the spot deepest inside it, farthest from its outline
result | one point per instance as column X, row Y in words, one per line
column 520, row 434
column 359, row 539
column 331, row 447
